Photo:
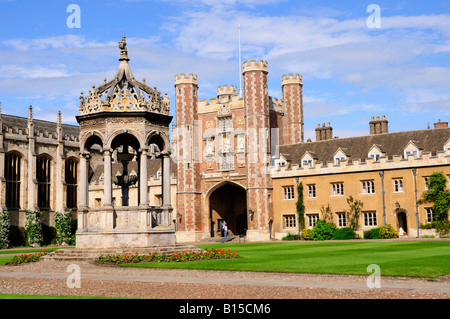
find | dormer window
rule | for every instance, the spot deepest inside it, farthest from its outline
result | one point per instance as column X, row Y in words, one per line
column 338, row 159
column 306, row 162
column 375, row 152
column 280, row 163
column 447, row 147
column 447, row 150
column 412, row 152
column 339, row 156
column 411, row 149
column 376, row 157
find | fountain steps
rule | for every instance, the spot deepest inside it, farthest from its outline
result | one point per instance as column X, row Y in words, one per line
column 92, row 254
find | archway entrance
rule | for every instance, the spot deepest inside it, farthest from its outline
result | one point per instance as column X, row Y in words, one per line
column 402, row 223
column 125, row 148
column 228, row 203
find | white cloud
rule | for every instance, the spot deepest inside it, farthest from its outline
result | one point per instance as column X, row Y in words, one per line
column 53, row 42
column 204, row 40
column 32, row 72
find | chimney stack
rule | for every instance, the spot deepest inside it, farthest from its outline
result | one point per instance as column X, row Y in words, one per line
column 324, row 133
column 378, row 126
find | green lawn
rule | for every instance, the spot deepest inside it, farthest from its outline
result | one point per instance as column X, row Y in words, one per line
column 428, row 259
column 4, row 259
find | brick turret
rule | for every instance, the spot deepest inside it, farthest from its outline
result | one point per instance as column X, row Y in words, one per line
column 293, row 131
column 256, row 99
column 188, row 156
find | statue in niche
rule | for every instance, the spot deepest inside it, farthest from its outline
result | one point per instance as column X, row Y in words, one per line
column 209, row 147
column 241, row 143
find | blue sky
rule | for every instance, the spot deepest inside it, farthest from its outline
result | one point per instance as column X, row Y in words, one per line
column 350, row 72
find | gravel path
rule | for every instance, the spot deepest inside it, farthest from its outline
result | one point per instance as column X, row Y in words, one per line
column 51, row 278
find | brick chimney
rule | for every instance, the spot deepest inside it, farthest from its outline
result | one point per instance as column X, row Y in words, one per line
column 324, row 133
column 378, row 126
column 440, row 124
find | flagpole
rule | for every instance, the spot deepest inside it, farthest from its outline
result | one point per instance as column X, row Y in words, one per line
column 240, row 64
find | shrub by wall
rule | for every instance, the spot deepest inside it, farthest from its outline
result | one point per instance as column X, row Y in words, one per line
column 290, row 236
column 307, row 234
column 33, row 227
column 323, row 230
column 388, row 231
column 63, row 227
column 4, row 229
column 345, row 233
column 374, row 233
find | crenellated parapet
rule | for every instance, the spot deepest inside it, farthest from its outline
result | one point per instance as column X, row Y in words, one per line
column 291, row 79
column 276, row 104
column 186, row 79
column 15, row 128
column 226, row 90
column 254, row 65
column 396, row 162
column 214, row 104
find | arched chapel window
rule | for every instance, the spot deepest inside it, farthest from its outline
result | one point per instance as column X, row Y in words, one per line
column 71, row 172
column 12, row 176
column 43, row 177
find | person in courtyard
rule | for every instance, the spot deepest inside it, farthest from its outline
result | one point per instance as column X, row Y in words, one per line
column 225, row 229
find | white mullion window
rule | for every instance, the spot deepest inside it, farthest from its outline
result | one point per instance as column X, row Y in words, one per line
column 311, row 191
column 370, row 219
column 368, row 187
column 337, row 189
column 398, row 185
column 288, row 192
column 342, row 220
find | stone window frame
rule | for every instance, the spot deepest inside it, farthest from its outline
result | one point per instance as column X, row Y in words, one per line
column 342, row 219
column 337, row 189
column 312, row 192
column 368, row 187
column 312, row 219
column 289, row 193
column 290, row 221
column 398, row 185
column 425, row 181
column 429, row 214
column 370, row 219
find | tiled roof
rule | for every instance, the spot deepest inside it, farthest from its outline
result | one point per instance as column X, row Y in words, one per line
column 431, row 140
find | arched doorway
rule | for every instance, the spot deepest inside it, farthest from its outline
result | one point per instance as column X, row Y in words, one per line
column 228, row 203
column 125, row 147
column 402, row 222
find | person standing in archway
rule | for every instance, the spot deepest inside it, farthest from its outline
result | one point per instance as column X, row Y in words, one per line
column 225, row 229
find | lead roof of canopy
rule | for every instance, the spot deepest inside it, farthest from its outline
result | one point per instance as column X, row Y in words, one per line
column 124, row 93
